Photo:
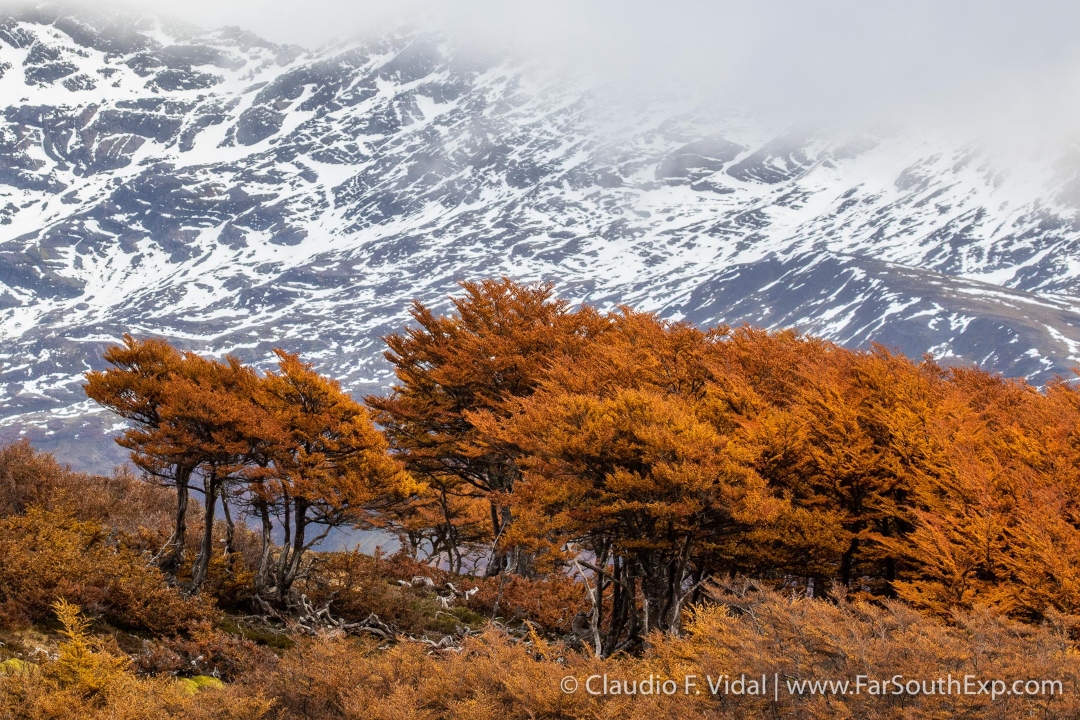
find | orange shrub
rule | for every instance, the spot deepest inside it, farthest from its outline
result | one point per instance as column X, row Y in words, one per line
column 205, row 651
column 28, row 477
column 750, row 630
column 46, row 556
column 140, row 511
column 356, row 585
column 89, row 681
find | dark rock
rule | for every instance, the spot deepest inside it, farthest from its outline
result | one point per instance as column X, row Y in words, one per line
column 256, row 124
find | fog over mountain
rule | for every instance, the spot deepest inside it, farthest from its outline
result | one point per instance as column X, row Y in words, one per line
column 839, row 59
column 865, row 172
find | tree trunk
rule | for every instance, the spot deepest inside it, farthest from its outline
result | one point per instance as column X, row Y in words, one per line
column 290, row 567
column 515, row 561
column 848, row 561
column 621, row 606
column 175, row 562
column 230, row 529
column 202, row 561
column 497, row 562
column 262, row 577
column 662, row 578
column 654, row 591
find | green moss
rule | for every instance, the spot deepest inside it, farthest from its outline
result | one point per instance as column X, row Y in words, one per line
column 192, row 685
column 188, row 686
column 468, row 616
column 206, row 682
column 452, row 620
column 260, row 636
column 444, row 623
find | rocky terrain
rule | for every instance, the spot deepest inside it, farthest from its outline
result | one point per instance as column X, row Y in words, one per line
column 235, row 195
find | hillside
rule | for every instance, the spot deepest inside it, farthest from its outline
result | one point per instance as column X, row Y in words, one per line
column 231, row 194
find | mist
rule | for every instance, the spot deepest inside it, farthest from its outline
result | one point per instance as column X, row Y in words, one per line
column 836, row 58
column 994, row 67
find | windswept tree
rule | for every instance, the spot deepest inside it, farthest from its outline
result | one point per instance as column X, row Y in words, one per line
column 190, row 417
column 134, row 388
column 642, row 456
column 1001, row 526
column 291, row 444
column 494, row 348
column 209, row 417
column 619, row 464
column 864, row 418
column 323, row 466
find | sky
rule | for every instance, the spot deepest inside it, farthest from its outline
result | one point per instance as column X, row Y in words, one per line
column 832, row 60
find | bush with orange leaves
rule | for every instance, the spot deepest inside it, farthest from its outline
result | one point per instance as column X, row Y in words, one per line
column 354, row 585
column 549, row 604
column 749, row 630
column 131, row 507
column 29, row 477
column 204, row 650
column 51, row 555
column 136, row 515
column 89, row 680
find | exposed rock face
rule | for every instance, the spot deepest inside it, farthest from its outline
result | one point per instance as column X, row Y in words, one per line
column 235, row 195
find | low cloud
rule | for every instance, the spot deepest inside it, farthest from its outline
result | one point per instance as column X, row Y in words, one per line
column 997, row 63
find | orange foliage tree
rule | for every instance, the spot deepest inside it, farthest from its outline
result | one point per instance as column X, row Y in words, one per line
column 494, row 348
column 658, row 454
column 323, row 466
column 134, row 388
column 289, row 444
column 640, row 455
column 633, row 470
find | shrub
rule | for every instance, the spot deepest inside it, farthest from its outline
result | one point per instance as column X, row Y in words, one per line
column 206, row 651
column 356, row 585
column 749, row 630
column 139, row 511
column 51, row 555
column 89, row 681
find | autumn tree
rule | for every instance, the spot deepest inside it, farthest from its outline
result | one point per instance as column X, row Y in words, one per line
column 1002, row 526
column 209, row 417
column 867, row 450
column 291, row 444
column 320, row 464
column 134, row 388
column 753, row 378
column 191, row 417
column 618, row 462
column 843, row 436
column 494, row 347
column 637, row 455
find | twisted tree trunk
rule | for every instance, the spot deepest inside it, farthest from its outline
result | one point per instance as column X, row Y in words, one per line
column 175, row 560
column 202, row 560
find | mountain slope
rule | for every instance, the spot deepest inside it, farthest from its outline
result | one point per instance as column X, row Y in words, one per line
column 235, row 195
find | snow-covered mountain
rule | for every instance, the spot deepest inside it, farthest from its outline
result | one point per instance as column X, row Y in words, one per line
column 236, row 195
